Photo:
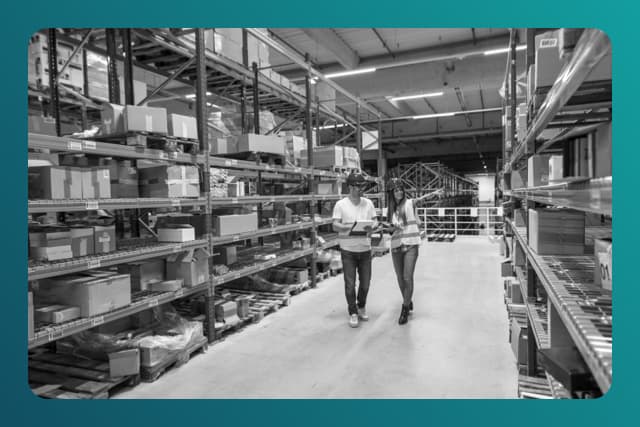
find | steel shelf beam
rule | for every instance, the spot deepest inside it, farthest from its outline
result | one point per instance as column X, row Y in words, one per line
column 266, row 232
column 71, row 205
column 123, row 256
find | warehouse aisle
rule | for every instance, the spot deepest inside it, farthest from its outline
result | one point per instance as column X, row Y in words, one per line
column 454, row 346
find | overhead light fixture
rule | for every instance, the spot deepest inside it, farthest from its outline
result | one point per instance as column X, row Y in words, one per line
column 193, row 95
column 503, row 50
column 433, row 116
column 350, row 73
column 339, row 125
column 422, row 95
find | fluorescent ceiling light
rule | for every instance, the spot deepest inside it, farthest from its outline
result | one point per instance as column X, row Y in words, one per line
column 339, row 125
column 433, row 116
column 503, row 50
column 350, row 73
column 422, row 95
column 193, row 95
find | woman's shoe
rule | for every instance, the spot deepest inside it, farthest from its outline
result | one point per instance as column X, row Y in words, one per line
column 411, row 306
column 404, row 315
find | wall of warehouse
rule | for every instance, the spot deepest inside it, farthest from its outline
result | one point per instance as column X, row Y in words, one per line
column 486, row 188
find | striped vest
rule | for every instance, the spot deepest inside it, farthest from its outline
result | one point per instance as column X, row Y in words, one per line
column 410, row 234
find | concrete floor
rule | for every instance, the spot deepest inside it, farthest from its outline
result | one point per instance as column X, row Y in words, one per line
column 454, row 346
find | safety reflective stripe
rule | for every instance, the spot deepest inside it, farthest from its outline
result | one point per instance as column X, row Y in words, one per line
column 410, row 233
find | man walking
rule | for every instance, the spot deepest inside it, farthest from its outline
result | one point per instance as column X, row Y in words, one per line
column 355, row 245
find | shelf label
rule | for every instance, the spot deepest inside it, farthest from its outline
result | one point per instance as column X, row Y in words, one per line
column 97, row 321
column 89, row 145
column 234, row 201
column 234, row 162
column 175, row 202
column 74, row 145
column 163, row 155
column 176, row 249
column 54, row 335
column 153, row 302
column 179, row 293
column 236, row 238
column 227, row 162
column 95, row 263
column 91, row 205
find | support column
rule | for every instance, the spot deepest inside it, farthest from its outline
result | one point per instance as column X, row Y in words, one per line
column 112, row 69
column 309, row 134
column 52, row 54
column 128, row 67
column 243, row 90
column 256, row 101
column 358, row 134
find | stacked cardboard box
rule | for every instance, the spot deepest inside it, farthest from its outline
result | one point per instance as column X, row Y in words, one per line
column 82, row 240
column 225, row 225
column 225, row 255
column 603, row 273
column 182, row 126
column 225, row 310
column 261, row 144
column 123, row 177
column 143, row 273
column 38, row 65
column 56, row 314
column 519, row 339
column 325, row 157
column 170, row 181
column 351, row 158
column 55, row 182
column 50, row 243
column 197, row 221
column 191, row 266
column 556, row 231
column 95, row 292
column 538, row 170
column 96, row 183
column 118, row 119
column 176, row 233
column 104, row 238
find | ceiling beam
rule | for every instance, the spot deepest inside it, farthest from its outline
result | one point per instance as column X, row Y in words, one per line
column 384, row 43
column 328, row 39
column 463, row 105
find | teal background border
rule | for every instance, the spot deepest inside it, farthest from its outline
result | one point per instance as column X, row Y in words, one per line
column 20, row 407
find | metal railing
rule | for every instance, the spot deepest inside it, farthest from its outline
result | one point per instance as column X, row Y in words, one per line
column 462, row 221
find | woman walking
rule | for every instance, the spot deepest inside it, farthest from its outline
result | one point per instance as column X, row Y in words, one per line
column 405, row 241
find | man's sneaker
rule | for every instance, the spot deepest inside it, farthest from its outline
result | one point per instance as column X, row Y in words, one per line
column 362, row 314
column 353, row 321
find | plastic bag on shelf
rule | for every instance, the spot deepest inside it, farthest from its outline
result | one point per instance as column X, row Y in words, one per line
column 93, row 345
column 173, row 333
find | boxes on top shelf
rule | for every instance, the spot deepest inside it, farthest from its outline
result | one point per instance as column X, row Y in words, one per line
column 547, row 59
column 538, row 170
column 54, row 182
column 182, row 126
column 56, row 313
column 556, row 231
column 261, row 143
column 118, row 119
column 325, row 157
column 233, row 224
column 170, row 181
column 556, row 171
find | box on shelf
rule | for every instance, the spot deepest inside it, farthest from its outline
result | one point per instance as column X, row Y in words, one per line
column 602, row 274
column 139, row 91
column 538, row 170
column 42, row 125
column 556, row 231
column 95, row 292
column 516, row 292
column 143, row 273
column 325, row 187
column 167, row 285
column 519, row 338
column 145, row 119
column 261, row 144
column 191, row 266
column 96, row 183
column 82, row 241
column 54, row 182
column 547, row 59
column 104, row 240
column 50, row 243
column 197, row 221
column 325, row 157
column 124, row 178
column 56, row 313
column 507, row 268
column 112, row 119
column 242, row 306
column 225, row 310
column 235, row 189
column 556, row 170
column 351, row 158
column 225, row 225
column 152, row 354
column 182, row 126
column 177, row 233
column 225, row 255
column 170, row 181
column 294, row 146
column 223, row 146
column 124, row 362
column 518, row 179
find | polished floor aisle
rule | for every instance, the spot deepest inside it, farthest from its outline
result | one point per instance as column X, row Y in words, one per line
column 454, row 346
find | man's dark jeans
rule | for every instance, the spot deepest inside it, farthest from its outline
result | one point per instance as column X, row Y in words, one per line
column 360, row 262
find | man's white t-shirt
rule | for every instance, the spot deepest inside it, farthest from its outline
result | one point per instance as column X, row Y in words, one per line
column 346, row 212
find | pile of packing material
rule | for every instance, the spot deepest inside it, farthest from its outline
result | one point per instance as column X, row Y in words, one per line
column 219, row 180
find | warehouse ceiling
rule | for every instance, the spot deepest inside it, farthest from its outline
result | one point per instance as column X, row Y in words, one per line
column 449, row 63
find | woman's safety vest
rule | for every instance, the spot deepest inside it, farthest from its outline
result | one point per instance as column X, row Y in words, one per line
column 410, row 234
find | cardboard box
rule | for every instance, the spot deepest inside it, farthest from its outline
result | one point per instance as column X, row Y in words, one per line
column 325, row 157
column 112, row 118
column 351, row 158
column 49, row 237
column 225, row 225
column 602, row 274
column 242, row 306
column 177, row 233
column 324, row 188
column 167, row 285
column 95, row 292
column 261, row 144
column 183, row 126
column 151, row 354
column 145, row 119
column 56, row 314
column 82, row 241
column 556, row 171
column 556, row 231
column 55, row 182
column 519, row 337
column 538, row 170
column 235, row 189
column 104, row 240
column 226, row 310
column 51, row 253
column 170, row 181
column 124, row 178
column 519, row 217
column 143, row 273
column 192, row 266
column 507, row 268
column 30, row 316
column 124, row 362
column 547, row 62
column 223, row 146
column 516, row 292
column 96, row 183
column 225, row 255
column 197, row 221
column 42, row 125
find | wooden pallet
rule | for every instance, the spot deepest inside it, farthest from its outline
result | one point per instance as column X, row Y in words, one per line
column 173, row 360
column 258, row 157
column 170, row 144
column 61, row 376
column 300, row 287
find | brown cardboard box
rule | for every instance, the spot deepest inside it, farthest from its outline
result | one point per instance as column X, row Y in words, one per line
column 55, row 182
column 192, row 266
column 223, row 146
column 233, row 224
column 56, row 314
column 124, row 362
column 112, row 117
column 145, row 119
column 324, row 188
column 519, row 338
column 325, row 157
column 261, row 144
column 507, row 268
column 197, row 221
column 182, row 126
column 82, row 241
column 226, row 310
column 151, row 354
column 556, row 231
column 519, row 217
column 96, row 183
column 104, row 238
column 95, row 292
column 124, row 178
column 170, row 181
column 225, row 255
column 602, row 274
column 516, row 292
column 177, row 233
column 143, row 273
column 538, row 170
column 49, row 236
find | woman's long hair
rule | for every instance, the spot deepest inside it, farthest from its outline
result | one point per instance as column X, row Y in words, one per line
column 397, row 207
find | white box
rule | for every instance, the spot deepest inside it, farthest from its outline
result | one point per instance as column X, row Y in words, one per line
column 182, row 234
column 556, row 171
column 235, row 189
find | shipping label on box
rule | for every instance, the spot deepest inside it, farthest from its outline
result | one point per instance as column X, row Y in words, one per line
column 145, row 119
column 183, row 126
column 104, row 238
column 82, row 241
